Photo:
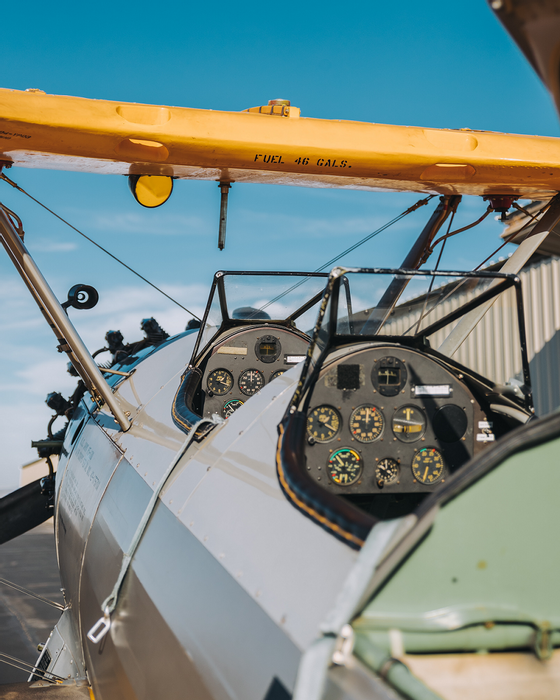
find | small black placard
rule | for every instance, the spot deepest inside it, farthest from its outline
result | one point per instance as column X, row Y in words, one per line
column 348, row 377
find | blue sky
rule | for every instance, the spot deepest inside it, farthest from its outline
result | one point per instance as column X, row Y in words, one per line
column 434, row 64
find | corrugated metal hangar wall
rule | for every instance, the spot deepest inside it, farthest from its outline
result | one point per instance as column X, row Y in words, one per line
column 492, row 348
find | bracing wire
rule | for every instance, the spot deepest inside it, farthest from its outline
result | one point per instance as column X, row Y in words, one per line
column 459, row 284
column 512, row 236
column 20, row 189
column 444, row 241
column 330, row 263
column 431, row 249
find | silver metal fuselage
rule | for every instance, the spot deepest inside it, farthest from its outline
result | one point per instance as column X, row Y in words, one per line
column 229, row 584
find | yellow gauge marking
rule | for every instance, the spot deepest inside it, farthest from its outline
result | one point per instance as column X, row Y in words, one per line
column 366, row 423
column 323, row 423
column 409, row 423
column 428, row 466
column 345, row 467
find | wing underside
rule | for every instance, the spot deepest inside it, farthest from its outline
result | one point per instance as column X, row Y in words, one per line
column 70, row 133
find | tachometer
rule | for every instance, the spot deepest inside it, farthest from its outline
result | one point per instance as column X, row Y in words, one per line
column 366, row 423
column 409, row 423
column 345, row 467
column 427, row 465
column 219, row 382
column 323, row 423
column 251, row 381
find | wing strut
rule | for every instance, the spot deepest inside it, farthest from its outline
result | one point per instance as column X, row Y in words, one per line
column 67, row 336
column 415, row 257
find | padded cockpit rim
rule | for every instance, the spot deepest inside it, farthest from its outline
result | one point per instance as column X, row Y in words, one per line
column 181, row 412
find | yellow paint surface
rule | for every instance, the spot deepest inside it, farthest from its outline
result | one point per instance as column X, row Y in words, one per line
column 72, row 133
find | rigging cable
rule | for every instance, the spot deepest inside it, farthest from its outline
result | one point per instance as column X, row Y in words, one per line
column 329, row 263
column 20, row 189
column 513, row 235
column 444, row 241
column 431, row 249
column 459, row 284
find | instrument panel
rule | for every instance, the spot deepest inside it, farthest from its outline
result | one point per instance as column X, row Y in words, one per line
column 390, row 419
column 243, row 363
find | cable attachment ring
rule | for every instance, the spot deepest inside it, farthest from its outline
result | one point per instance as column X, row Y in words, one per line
column 101, row 627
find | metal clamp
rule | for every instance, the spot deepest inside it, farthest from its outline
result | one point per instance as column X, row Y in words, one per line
column 342, row 655
column 100, row 629
column 543, row 642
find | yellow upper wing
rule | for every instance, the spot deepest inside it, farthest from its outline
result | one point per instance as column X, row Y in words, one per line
column 275, row 145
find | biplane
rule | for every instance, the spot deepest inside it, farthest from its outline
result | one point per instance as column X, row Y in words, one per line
column 306, row 494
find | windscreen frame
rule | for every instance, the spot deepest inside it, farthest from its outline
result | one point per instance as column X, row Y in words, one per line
column 312, row 366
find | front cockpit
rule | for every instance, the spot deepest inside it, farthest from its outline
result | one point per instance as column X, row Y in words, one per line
column 255, row 327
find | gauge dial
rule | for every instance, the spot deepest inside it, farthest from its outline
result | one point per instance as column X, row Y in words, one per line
column 386, row 472
column 427, row 465
column 219, row 382
column 277, row 374
column 268, row 348
column 389, row 376
column 366, row 423
column 251, row 381
column 345, row 467
column 323, row 423
column 231, row 406
column 409, row 423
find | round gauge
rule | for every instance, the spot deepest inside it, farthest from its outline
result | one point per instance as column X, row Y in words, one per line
column 409, row 423
column 268, row 348
column 450, row 423
column 231, row 406
column 386, row 471
column 277, row 374
column 219, row 382
column 366, row 423
column 345, row 467
column 251, row 381
column 389, row 376
column 427, row 465
column 323, row 423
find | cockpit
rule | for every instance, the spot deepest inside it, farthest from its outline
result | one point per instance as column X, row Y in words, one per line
column 255, row 326
column 386, row 409
column 384, row 414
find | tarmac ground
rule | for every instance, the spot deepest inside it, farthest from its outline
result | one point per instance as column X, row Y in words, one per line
column 25, row 622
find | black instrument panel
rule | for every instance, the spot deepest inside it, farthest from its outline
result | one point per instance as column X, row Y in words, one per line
column 390, row 420
column 243, row 363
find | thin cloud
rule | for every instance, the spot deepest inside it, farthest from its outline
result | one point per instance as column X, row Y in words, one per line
column 46, row 246
column 166, row 225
